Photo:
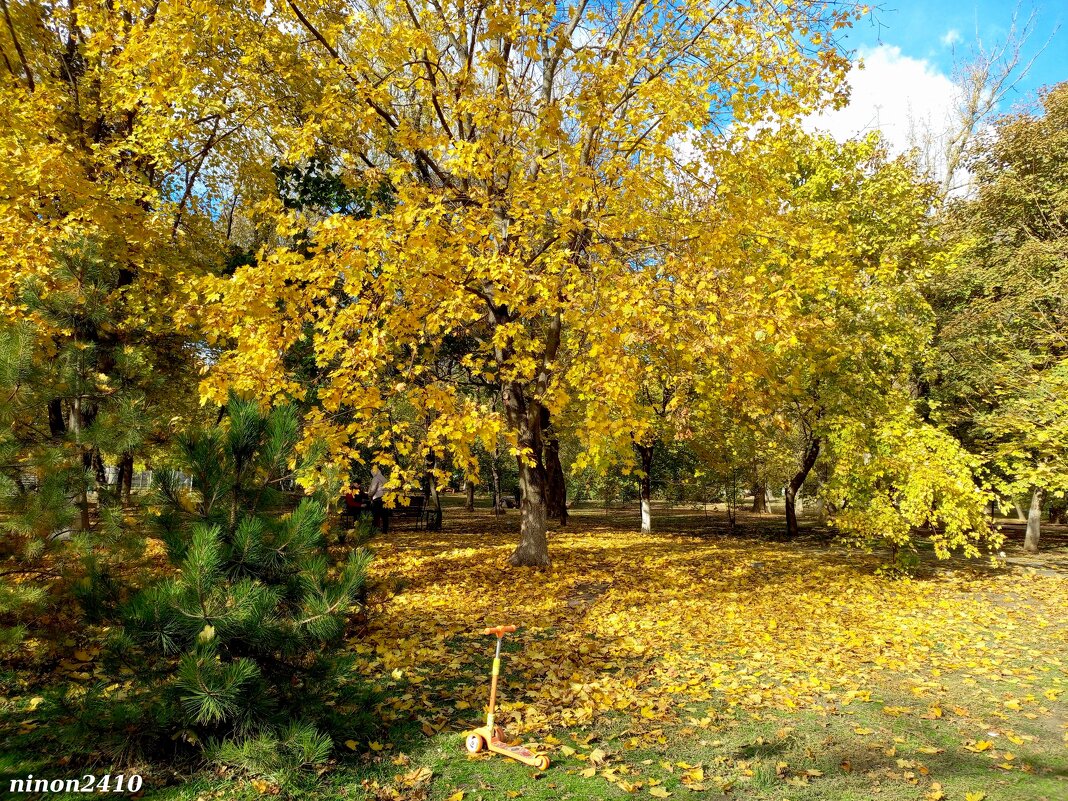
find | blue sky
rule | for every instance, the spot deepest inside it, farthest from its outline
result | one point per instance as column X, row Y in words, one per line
column 903, row 75
column 936, row 30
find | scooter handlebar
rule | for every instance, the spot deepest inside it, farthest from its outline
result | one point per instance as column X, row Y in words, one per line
column 499, row 631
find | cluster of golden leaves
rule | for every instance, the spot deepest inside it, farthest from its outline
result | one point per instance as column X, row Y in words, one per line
column 651, row 627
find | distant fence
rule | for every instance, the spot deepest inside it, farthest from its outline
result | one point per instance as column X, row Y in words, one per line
column 142, row 479
column 139, row 482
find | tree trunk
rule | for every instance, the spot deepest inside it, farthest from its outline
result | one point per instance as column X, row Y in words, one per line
column 1057, row 512
column 81, row 495
column 760, row 497
column 790, row 496
column 1034, row 522
column 56, row 427
column 495, row 476
column 555, row 483
column 124, row 479
column 432, row 501
column 645, row 453
column 469, row 487
column 524, row 415
column 533, row 548
column 99, row 468
column 433, row 519
column 1019, row 510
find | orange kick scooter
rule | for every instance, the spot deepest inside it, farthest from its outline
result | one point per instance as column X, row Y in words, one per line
column 490, row 736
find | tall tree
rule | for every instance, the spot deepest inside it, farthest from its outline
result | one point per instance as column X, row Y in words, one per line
column 1002, row 356
column 525, row 146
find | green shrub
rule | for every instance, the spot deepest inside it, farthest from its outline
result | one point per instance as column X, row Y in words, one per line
column 238, row 651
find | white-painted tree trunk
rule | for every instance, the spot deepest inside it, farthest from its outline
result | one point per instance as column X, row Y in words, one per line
column 647, row 516
column 1034, row 522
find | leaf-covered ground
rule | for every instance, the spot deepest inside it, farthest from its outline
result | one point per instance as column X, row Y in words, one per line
column 673, row 664
column 678, row 665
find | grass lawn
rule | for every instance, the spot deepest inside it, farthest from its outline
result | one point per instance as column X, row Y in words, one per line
column 685, row 666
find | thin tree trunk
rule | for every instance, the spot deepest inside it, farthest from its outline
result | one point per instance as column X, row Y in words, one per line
column 556, row 484
column 495, row 476
column 645, row 454
column 469, row 487
column 1057, row 513
column 432, row 499
column 56, row 427
column 812, row 452
column 98, row 468
column 124, row 480
column 760, row 497
column 1019, row 510
column 1034, row 522
column 81, row 496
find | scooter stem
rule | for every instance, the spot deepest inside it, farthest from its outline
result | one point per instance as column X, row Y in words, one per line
column 493, row 685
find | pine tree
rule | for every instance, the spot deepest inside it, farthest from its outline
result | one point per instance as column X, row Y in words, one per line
column 84, row 385
column 242, row 640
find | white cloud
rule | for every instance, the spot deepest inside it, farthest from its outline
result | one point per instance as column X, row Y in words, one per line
column 903, row 97
column 951, row 37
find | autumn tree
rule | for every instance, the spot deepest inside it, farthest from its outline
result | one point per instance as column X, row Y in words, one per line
column 116, row 128
column 102, row 228
column 523, row 146
column 1001, row 358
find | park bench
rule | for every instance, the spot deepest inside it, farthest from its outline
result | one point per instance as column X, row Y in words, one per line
column 415, row 509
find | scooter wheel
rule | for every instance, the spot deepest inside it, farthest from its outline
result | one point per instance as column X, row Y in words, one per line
column 475, row 743
column 541, row 763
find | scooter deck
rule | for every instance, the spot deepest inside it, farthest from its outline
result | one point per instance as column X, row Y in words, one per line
column 518, row 751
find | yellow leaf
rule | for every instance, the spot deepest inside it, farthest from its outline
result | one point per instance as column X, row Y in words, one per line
column 697, row 774
column 659, row 792
column 352, row 745
column 862, row 731
column 417, row 776
column 978, row 795
column 457, row 796
column 375, row 745
column 260, row 785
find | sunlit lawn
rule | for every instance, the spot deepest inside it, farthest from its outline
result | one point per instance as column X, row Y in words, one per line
column 678, row 665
